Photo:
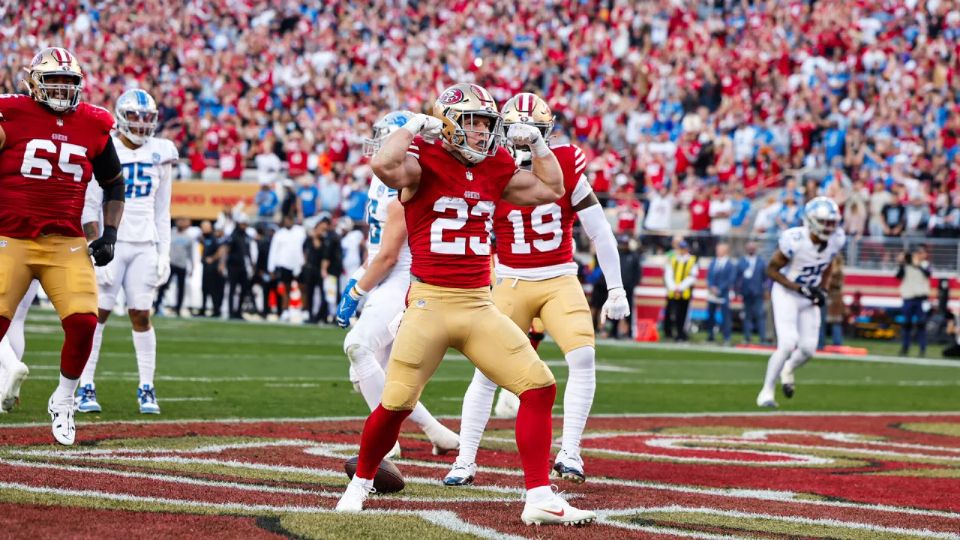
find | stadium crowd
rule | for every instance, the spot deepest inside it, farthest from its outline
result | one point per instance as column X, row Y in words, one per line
column 681, row 106
column 713, row 118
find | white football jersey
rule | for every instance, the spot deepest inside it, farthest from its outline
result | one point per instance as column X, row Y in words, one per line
column 379, row 198
column 147, row 175
column 807, row 260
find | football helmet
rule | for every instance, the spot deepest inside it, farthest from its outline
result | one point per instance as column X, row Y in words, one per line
column 137, row 115
column 526, row 108
column 49, row 63
column 822, row 216
column 460, row 109
column 382, row 129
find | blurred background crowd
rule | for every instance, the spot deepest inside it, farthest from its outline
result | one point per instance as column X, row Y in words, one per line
column 714, row 119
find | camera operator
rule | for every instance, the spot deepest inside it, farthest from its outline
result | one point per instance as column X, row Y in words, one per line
column 914, row 276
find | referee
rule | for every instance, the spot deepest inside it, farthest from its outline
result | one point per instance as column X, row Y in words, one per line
column 914, row 276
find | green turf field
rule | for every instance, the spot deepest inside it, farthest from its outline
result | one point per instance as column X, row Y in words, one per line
column 212, row 370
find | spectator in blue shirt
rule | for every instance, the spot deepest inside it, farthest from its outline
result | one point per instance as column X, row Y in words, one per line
column 267, row 202
column 750, row 285
column 833, row 141
column 740, row 210
column 308, row 196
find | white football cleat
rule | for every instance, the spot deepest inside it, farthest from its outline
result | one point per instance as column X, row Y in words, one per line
column 765, row 399
column 356, row 493
column 443, row 438
column 462, row 474
column 555, row 511
column 10, row 382
column 394, row 452
column 61, row 415
column 508, row 405
column 569, row 467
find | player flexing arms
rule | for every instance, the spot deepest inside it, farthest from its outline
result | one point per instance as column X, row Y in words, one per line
column 799, row 267
column 51, row 146
column 536, row 277
column 143, row 248
column 387, row 277
column 449, row 192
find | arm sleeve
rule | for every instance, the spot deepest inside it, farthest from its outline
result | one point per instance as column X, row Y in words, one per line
column 106, row 166
column 598, row 229
column 161, row 213
column 92, row 204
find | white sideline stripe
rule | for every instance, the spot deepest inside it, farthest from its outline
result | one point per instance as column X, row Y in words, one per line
column 441, row 518
column 287, row 420
column 728, row 351
column 773, row 517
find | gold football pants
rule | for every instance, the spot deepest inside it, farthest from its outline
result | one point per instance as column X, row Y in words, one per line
column 559, row 302
column 62, row 265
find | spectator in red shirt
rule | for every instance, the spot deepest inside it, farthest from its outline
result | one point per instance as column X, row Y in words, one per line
column 629, row 212
column 231, row 162
column 700, row 220
column 296, row 157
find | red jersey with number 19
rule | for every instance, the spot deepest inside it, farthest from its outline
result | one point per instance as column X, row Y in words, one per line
column 45, row 165
column 536, row 242
column 450, row 216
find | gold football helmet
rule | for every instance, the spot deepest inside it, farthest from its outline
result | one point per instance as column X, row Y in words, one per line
column 55, row 79
column 527, row 108
column 462, row 108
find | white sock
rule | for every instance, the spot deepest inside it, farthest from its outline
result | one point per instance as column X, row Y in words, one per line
column 540, row 494
column 426, row 422
column 578, row 397
column 88, row 371
column 370, row 376
column 8, row 357
column 366, row 484
column 477, row 403
column 774, row 366
column 65, row 389
column 145, row 344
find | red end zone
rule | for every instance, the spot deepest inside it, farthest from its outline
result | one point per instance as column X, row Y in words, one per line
column 842, row 476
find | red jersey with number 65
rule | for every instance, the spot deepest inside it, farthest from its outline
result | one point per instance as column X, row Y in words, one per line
column 536, row 242
column 45, row 165
column 450, row 216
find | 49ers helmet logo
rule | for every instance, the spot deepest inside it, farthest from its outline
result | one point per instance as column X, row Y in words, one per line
column 451, row 96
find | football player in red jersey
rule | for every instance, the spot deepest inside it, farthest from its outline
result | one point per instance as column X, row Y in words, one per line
column 537, row 277
column 449, row 189
column 51, row 146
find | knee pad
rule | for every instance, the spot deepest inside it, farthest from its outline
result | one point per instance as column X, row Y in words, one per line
column 582, row 359
column 398, row 396
column 807, row 350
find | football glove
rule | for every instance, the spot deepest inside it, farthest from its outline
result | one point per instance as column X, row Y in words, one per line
column 101, row 249
column 348, row 303
column 616, row 307
column 529, row 136
column 425, row 125
column 163, row 269
column 815, row 294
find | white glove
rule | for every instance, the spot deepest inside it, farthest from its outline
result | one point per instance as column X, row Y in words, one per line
column 104, row 275
column 163, row 269
column 529, row 136
column 616, row 307
column 425, row 125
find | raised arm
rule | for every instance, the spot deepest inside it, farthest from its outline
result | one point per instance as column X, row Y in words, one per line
column 544, row 183
column 393, row 164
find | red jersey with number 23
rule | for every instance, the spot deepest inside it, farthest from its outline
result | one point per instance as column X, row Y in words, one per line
column 45, row 165
column 450, row 216
column 536, row 242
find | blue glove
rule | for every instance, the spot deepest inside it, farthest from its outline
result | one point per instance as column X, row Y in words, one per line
column 348, row 304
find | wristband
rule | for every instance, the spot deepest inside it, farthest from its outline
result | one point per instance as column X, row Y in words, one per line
column 359, row 292
column 539, row 148
column 415, row 124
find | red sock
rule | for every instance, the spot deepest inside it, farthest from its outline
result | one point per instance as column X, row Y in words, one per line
column 380, row 433
column 535, row 433
column 4, row 325
column 78, row 340
column 535, row 338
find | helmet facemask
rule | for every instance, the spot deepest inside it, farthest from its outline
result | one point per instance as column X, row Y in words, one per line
column 472, row 139
column 137, row 116
column 382, row 129
column 822, row 217
column 50, row 89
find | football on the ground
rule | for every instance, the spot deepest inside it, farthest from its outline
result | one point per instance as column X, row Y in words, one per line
column 387, row 480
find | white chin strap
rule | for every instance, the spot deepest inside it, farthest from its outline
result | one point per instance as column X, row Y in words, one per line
column 471, row 155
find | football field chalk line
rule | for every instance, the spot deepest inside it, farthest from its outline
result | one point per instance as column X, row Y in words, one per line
column 446, row 519
column 918, row 414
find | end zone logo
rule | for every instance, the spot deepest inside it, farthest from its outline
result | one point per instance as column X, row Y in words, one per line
column 451, row 96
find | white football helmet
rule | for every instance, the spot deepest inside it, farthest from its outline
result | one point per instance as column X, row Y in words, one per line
column 382, row 129
column 137, row 116
column 822, row 216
